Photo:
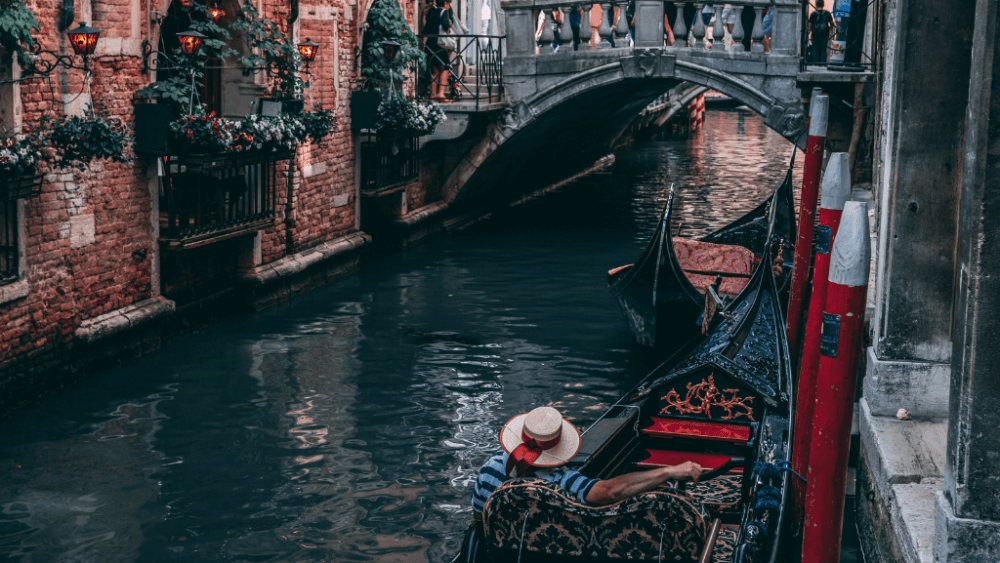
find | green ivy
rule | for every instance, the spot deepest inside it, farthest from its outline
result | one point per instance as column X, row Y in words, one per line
column 16, row 24
column 386, row 23
column 278, row 54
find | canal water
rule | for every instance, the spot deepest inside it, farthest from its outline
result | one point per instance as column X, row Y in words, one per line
column 348, row 424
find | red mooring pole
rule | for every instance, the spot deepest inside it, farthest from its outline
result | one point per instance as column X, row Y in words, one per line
column 840, row 347
column 813, row 166
column 836, row 188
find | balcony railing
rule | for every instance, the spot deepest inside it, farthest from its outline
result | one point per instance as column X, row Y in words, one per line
column 389, row 159
column 205, row 198
column 475, row 69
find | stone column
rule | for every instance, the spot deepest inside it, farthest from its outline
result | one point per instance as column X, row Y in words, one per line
column 648, row 24
column 918, row 185
column 967, row 511
column 520, row 28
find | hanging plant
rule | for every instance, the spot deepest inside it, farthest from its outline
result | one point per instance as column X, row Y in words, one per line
column 318, row 124
column 78, row 140
column 386, row 23
column 16, row 24
column 416, row 117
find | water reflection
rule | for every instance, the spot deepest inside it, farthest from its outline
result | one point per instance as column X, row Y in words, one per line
column 349, row 424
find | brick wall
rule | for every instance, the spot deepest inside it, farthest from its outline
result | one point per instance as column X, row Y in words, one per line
column 90, row 246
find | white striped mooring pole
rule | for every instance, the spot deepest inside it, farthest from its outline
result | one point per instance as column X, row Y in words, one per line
column 835, row 191
column 840, row 349
column 812, row 167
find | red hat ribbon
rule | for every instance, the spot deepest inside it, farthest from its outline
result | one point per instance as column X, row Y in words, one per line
column 525, row 454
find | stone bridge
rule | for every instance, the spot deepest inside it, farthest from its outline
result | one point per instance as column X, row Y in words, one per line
column 566, row 109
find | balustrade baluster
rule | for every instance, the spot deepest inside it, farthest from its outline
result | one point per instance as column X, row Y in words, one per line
column 680, row 27
column 566, row 31
column 738, row 30
column 698, row 30
column 758, row 32
column 621, row 28
column 719, row 29
column 585, row 27
column 605, row 29
column 548, row 36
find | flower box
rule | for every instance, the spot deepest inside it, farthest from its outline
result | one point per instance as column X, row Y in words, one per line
column 152, row 128
column 20, row 187
column 364, row 109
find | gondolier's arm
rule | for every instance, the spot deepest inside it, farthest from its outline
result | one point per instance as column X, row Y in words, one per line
column 610, row 491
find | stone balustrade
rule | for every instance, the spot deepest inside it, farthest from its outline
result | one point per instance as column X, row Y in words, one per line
column 522, row 21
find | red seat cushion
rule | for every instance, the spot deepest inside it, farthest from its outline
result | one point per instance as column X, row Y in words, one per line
column 674, row 428
column 698, row 256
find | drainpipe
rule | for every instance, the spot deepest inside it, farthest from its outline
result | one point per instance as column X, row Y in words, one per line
column 293, row 15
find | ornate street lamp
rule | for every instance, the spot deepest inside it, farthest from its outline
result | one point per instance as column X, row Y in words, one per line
column 191, row 42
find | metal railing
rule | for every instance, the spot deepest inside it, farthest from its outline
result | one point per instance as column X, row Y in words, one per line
column 475, row 69
column 204, row 198
column 389, row 159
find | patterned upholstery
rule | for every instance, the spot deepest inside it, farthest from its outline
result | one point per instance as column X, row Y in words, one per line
column 725, row 545
column 694, row 255
column 558, row 527
column 719, row 496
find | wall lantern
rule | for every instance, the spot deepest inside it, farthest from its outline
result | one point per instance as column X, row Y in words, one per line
column 84, row 42
column 216, row 13
column 84, row 39
column 390, row 48
column 191, row 42
column 308, row 50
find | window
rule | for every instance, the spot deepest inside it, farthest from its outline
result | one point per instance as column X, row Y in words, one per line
column 9, row 244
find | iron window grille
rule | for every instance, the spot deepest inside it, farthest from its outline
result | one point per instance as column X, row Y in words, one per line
column 208, row 198
column 9, row 253
column 389, row 159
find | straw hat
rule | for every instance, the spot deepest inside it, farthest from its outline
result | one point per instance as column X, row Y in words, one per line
column 540, row 438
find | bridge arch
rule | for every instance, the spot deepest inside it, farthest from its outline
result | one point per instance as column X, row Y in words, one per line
column 591, row 110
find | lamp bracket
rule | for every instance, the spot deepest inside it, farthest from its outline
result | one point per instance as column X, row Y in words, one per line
column 42, row 63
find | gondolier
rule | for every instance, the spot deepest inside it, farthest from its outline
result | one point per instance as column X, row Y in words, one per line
column 540, row 443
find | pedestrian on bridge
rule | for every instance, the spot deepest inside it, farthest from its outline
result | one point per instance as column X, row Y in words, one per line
column 821, row 26
column 575, row 19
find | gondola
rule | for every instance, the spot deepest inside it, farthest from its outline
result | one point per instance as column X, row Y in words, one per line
column 663, row 294
column 723, row 401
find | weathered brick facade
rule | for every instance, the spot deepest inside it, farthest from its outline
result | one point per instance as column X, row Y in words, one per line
column 91, row 256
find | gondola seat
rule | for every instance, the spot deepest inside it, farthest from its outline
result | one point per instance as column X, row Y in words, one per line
column 719, row 496
column 544, row 523
column 696, row 256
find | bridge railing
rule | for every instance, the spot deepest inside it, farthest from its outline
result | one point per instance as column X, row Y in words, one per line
column 475, row 69
column 689, row 29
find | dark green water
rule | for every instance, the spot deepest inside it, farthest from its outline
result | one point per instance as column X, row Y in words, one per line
column 348, row 424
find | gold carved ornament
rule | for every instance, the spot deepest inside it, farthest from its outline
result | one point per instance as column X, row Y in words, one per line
column 703, row 396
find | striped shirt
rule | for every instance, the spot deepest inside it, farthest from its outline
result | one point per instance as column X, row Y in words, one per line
column 492, row 475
